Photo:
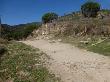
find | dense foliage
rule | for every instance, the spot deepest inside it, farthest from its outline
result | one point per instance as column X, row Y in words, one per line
column 48, row 17
column 105, row 11
column 90, row 9
column 18, row 32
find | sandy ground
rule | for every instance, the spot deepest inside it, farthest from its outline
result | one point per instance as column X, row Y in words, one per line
column 72, row 64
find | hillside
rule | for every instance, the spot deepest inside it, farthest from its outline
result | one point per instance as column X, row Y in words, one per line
column 59, row 38
column 22, row 63
column 89, row 33
column 69, row 43
column 77, row 25
column 18, row 32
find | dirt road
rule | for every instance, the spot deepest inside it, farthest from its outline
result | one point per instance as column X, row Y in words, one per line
column 73, row 64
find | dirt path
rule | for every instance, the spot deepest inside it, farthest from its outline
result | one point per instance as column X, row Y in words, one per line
column 73, row 64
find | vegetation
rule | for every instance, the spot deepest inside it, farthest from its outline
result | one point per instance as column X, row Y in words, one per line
column 48, row 17
column 2, row 50
column 22, row 63
column 91, row 34
column 90, row 9
column 95, row 44
column 2, row 47
column 18, row 32
column 105, row 11
column 102, row 47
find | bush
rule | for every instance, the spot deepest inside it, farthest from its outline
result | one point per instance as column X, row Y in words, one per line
column 105, row 11
column 3, row 41
column 2, row 50
column 48, row 17
column 20, row 31
column 90, row 9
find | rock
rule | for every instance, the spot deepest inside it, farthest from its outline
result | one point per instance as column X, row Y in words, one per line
column 84, row 42
column 100, row 16
column 52, row 41
column 59, row 40
column 47, row 38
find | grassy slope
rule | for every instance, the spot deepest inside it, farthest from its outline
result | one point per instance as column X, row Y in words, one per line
column 92, row 45
column 102, row 48
column 23, row 64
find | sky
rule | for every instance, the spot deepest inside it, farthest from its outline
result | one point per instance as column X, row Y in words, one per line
column 15, row 12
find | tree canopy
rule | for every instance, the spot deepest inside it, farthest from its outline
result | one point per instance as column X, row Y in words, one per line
column 48, row 17
column 90, row 9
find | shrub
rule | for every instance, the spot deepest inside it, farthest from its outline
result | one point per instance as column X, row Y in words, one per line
column 3, row 41
column 105, row 11
column 20, row 31
column 2, row 50
column 90, row 9
column 48, row 17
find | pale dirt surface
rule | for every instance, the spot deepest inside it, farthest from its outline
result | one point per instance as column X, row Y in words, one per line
column 72, row 64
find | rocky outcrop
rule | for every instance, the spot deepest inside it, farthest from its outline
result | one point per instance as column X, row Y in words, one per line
column 77, row 27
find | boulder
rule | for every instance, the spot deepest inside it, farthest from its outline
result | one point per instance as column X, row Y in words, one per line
column 84, row 42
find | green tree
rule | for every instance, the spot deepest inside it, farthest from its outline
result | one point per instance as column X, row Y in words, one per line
column 48, row 17
column 90, row 9
column 18, row 32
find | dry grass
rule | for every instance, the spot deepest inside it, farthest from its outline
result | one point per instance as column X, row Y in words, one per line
column 95, row 44
column 22, row 63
